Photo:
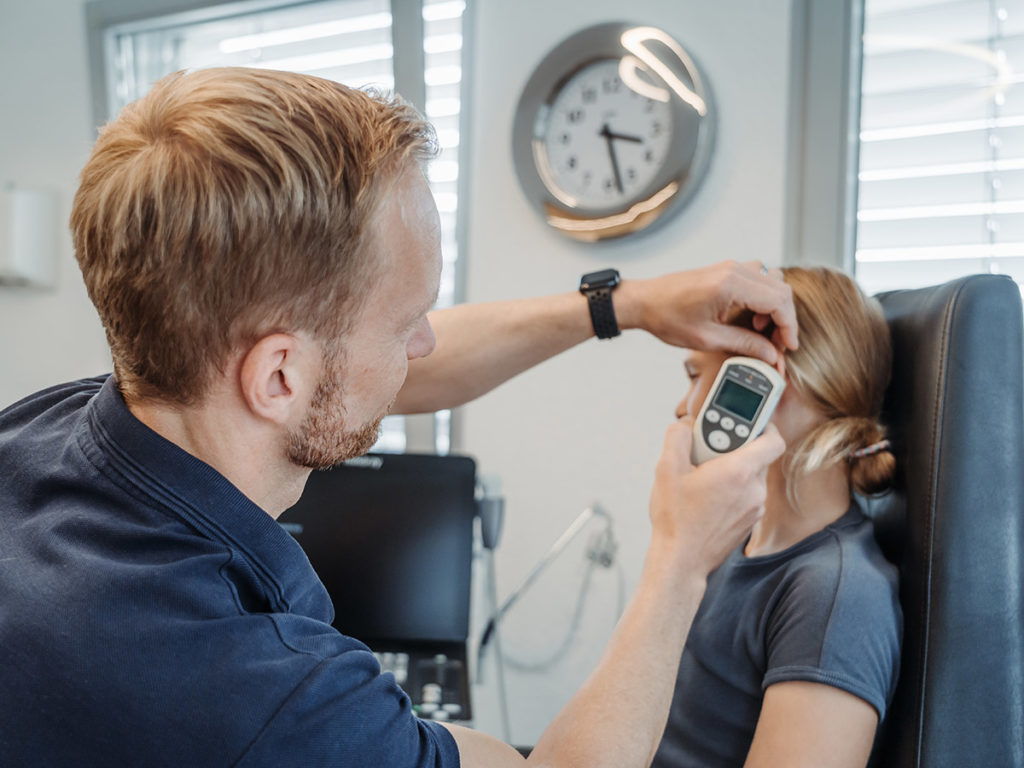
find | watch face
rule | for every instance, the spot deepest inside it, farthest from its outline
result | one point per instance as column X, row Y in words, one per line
column 606, row 278
column 603, row 142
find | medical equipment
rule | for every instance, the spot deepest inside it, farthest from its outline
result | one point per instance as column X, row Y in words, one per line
column 742, row 399
column 391, row 537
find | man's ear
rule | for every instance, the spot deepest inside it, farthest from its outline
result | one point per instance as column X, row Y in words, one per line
column 276, row 376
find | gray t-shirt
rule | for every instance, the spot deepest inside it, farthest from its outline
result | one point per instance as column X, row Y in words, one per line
column 825, row 611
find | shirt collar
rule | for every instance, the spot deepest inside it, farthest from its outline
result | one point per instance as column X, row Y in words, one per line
column 190, row 488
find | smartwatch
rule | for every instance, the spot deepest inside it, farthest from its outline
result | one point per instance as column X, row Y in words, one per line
column 598, row 287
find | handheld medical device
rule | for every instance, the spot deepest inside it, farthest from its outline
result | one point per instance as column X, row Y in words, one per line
column 740, row 402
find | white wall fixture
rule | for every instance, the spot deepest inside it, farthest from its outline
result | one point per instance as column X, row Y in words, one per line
column 28, row 237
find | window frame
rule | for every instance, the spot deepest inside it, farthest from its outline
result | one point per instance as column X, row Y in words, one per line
column 824, row 124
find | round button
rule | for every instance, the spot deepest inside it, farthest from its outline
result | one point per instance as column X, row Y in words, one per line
column 719, row 440
column 427, row 708
column 452, row 709
column 440, row 714
column 712, row 415
column 742, row 430
column 727, row 423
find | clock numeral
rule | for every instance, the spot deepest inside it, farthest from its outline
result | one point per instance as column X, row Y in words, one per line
column 565, row 138
column 648, row 156
column 576, row 116
column 572, row 162
column 587, row 178
column 649, row 106
column 609, row 184
column 589, row 95
column 631, row 174
column 611, row 85
column 657, row 128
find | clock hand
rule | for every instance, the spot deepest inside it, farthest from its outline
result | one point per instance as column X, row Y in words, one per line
column 624, row 137
column 608, row 137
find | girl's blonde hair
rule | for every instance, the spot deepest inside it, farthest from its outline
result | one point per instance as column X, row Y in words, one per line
column 843, row 365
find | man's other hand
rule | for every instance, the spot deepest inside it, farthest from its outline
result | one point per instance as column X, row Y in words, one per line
column 691, row 309
column 704, row 512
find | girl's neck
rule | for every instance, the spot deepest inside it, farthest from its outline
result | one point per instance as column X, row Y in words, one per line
column 825, row 497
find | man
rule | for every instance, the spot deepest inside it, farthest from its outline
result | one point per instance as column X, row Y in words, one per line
column 262, row 249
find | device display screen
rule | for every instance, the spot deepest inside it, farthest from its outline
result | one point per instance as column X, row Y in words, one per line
column 738, row 399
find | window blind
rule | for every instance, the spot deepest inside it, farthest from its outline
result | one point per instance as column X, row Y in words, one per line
column 941, row 176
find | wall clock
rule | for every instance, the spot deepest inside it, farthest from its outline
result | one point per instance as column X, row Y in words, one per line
column 613, row 131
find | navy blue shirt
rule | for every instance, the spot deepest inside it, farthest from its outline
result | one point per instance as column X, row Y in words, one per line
column 151, row 614
column 825, row 610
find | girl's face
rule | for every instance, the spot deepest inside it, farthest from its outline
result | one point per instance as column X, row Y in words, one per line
column 794, row 416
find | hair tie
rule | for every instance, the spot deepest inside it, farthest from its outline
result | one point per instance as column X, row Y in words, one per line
column 881, row 445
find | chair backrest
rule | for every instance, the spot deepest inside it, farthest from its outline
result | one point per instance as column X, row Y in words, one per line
column 955, row 524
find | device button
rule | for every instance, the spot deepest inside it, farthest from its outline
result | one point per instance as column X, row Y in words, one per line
column 426, row 708
column 452, row 709
column 742, row 430
column 440, row 714
column 431, row 693
column 727, row 423
column 719, row 440
column 712, row 415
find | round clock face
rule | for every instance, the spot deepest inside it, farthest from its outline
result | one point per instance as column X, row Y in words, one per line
column 603, row 142
column 613, row 131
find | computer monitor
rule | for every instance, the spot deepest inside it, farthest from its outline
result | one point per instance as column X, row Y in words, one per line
column 391, row 537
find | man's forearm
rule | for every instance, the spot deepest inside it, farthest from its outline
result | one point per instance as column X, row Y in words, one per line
column 480, row 346
column 618, row 716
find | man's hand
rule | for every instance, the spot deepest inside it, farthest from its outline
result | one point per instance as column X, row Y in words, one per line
column 704, row 512
column 690, row 309
column 700, row 514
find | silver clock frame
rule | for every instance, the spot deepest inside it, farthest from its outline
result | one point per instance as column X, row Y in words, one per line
column 664, row 67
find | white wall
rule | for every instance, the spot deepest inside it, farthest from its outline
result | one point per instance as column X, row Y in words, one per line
column 589, row 425
column 45, row 134
column 585, row 427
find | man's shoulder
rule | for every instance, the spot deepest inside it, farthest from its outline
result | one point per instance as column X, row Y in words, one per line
column 70, row 395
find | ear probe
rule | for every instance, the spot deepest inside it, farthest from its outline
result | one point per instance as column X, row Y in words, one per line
column 739, row 405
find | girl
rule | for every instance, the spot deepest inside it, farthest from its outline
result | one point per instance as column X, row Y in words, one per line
column 794, row 653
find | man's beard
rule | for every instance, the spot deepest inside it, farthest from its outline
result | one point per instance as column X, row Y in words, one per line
column 322, row 441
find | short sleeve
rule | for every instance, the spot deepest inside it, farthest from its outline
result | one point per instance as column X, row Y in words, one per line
column 367, row 721
column 838, row 622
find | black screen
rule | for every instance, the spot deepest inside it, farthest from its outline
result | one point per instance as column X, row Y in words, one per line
column 391, row 537
column 738, row 399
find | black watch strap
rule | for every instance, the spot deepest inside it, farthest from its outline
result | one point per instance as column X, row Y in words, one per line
column 598, row 287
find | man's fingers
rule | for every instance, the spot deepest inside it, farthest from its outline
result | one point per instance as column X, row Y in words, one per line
column 766, row 295
column 745, row 342
column 679, row 445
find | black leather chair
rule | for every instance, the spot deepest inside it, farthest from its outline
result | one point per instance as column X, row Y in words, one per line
column 955, row 525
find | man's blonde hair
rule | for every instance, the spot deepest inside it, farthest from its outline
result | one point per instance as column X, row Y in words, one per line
column 232, row 203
